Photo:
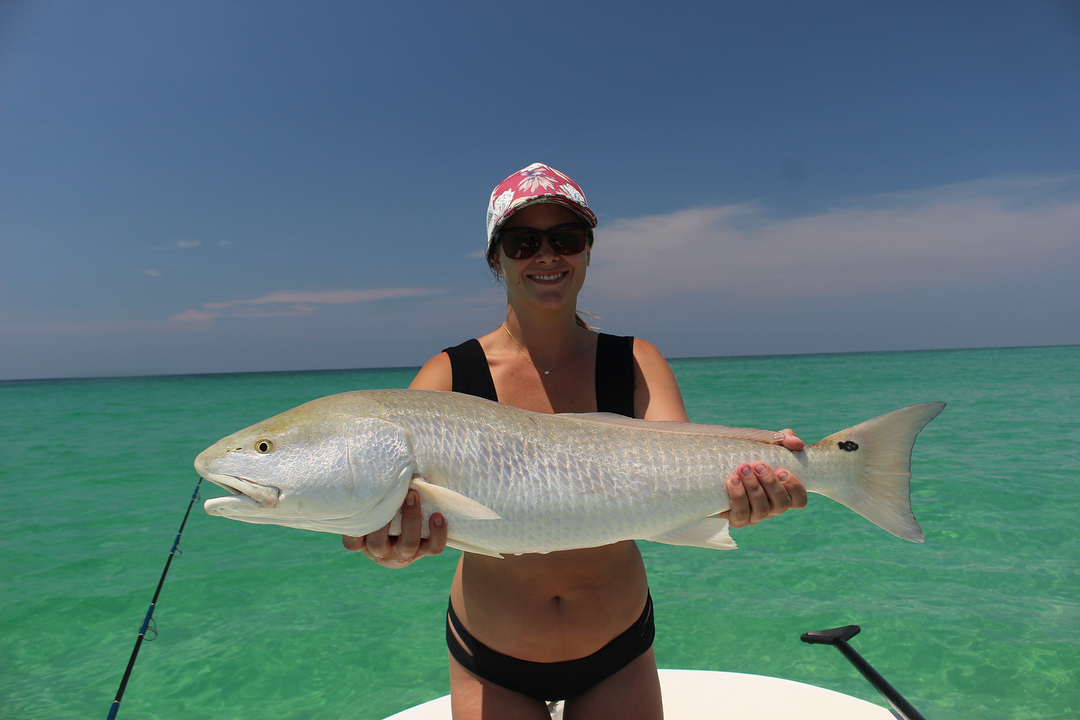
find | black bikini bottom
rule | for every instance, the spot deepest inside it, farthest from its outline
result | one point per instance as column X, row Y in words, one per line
column 550, row 681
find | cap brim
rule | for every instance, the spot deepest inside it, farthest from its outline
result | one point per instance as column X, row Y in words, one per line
column 581, row 211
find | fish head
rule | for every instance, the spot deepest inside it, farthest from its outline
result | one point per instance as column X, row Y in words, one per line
column 315, row 467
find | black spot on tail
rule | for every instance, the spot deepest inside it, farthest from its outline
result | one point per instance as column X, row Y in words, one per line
column 849, row 446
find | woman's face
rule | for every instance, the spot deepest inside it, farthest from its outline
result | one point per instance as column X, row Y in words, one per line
column 547, row 279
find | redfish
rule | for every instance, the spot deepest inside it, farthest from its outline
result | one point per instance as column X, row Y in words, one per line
column 511, row 481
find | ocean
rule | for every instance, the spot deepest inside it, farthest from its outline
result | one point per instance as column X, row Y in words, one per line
column 982, row 620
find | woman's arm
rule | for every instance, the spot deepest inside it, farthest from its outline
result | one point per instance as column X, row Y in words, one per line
column 756, row 491
column 399, row 551
column 656, row 391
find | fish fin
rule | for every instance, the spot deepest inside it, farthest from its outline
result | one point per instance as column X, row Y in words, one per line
column 882, row 493
column 680, row 428
column 451, row 502
column 466, row 547
column 708, row 533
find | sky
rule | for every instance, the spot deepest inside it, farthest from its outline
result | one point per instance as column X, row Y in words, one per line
column 222, row 186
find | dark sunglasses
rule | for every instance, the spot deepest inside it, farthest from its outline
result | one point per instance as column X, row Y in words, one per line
column 521, row 243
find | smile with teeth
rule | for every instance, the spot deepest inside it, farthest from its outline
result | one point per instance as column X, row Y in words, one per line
column 552, row 276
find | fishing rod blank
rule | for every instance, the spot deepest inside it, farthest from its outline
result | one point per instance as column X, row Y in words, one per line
column 838, row 637
column 150, row 611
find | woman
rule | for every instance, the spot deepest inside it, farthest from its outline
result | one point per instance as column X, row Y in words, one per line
column 573, row 625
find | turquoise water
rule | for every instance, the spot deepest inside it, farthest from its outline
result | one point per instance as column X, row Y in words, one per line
column 983, row 620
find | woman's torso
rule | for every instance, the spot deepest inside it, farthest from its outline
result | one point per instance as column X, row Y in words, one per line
column 563, row 605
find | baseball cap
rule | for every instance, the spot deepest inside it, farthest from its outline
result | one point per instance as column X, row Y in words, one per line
column 537, row 183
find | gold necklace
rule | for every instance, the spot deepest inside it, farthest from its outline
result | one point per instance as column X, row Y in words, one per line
column 521, row 352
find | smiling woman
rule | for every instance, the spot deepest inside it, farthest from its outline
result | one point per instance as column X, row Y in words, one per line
column 577, row 624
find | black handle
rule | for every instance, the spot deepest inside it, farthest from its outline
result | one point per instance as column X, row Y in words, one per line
column 838, row 637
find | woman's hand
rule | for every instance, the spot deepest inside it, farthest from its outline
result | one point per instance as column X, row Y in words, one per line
column 790, row 441
column 757, row 492
column 398, row 551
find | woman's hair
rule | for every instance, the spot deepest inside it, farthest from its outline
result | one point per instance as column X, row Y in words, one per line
column 581, row 323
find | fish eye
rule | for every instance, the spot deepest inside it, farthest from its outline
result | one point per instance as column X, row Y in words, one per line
column 264, row 446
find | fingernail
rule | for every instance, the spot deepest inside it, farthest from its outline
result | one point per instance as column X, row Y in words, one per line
column 438, row 521
column 782, row 476
column 745, row 471
column 761, row 468
column 736, row 481
column 410, row 499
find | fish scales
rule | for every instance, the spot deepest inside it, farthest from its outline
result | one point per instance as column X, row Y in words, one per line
column 514, row 481
column 589, row 479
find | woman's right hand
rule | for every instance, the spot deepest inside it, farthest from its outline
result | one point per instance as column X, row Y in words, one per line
column 397, row 551
column 758, row 492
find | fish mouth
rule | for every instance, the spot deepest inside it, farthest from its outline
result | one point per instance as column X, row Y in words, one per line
column 245, row 493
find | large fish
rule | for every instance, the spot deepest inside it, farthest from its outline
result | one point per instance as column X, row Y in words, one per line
column 513, row 481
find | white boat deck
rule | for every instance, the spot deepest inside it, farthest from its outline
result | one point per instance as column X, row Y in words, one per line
column 699, row 694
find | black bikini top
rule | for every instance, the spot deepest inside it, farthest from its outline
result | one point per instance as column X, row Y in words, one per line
column 614, row 373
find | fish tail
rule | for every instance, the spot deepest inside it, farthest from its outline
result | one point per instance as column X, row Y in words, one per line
column 881, row 492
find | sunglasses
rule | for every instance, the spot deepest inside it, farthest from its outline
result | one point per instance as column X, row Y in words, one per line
column 521, row 243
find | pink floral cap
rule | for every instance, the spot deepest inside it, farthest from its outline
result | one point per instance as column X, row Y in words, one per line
column 537, row 183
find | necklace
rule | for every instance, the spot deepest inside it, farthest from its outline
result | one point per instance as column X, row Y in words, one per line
column 521, row 352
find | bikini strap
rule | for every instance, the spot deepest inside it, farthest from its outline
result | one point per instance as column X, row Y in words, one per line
column 615, row 374
column 470, row 370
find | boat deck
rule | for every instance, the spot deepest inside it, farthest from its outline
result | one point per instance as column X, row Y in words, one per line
column 698, row 694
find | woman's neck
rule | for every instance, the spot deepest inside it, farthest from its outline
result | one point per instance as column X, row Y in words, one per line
column 545, row 337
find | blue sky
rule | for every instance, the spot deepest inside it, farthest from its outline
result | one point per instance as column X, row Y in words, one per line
column 247, row 186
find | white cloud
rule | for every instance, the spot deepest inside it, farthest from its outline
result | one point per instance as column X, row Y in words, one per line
column 939, row 237
column 330, row 297
column 287, row 303
column 193, row 317
column 74, row 328
column 180, row 245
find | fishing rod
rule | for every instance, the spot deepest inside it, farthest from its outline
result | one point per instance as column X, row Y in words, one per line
column 150, row 612
column 838, row 637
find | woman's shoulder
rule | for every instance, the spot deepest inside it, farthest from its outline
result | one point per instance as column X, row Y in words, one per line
column 656, row 391
column 468, row 361
column 645, row 351
column 649, row 360
column 436, row 374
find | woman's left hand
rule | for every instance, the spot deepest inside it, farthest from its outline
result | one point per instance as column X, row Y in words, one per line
column 758, row 492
